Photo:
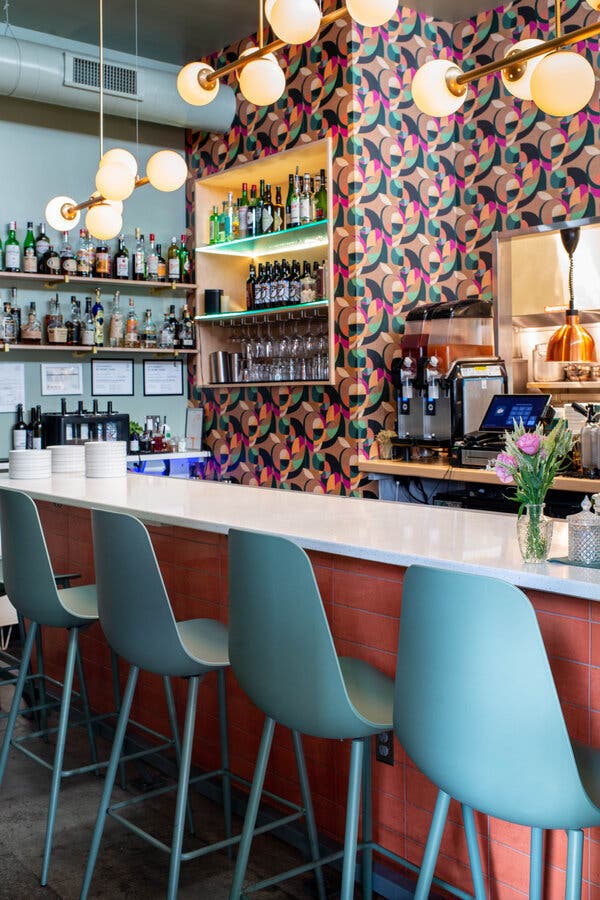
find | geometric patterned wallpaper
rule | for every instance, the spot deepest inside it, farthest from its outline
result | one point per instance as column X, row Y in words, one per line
column 416, row 201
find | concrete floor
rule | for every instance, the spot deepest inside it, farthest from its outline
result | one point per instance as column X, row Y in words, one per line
column 127, row 866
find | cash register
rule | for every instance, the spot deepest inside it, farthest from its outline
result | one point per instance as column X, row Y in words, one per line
column 479, row 448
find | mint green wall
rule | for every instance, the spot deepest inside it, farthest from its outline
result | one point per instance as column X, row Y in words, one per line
column 48, row 150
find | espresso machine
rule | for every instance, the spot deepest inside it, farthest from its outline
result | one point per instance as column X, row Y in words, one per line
column 446, row 373
column 81, row 425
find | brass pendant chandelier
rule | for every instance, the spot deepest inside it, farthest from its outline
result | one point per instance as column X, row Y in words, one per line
column 117, row 176
column 262, row 80
column 561, row 82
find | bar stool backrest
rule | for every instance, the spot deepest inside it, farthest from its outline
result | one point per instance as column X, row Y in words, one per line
column 475, row 702
column 134, row 608
column 28, row 576
column 280, row 645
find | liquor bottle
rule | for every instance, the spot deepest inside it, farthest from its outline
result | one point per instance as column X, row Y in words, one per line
column 82, row 257
column 295, row 204
column 267, row 211
column 229, row 217
column 186, row 331
column 102, row 267
column 12, row 250
column 161, row 264
column 139, row 257
column 259, row 287
column 88, row 327
column 55, row 327
column 31, row 332
column 1, row 257
column 276, row 285
column 260, row 202
column 98, row 317
column 315, row 185
column 266, row 297
column 285, row 283
column 278, row 211
column 173, row 326
column 68, row 263
column 149, row 331
column 50, row 262
column 37, row 436
column 251, row 215
column 115, row 328
column 321, row 198
column 185, row 263
column 19, row 432
column 41, row 244
column 305, row 201
column 121, row 261
column 173, row 263
column 165, row 334
column 16, row 313
column 222, row 232
column 250, row 285
column 152, row 261
column 213, row 226
column 294, row 283
column 131, row 327
column 7, row 325
column 308, row 291
column 243, row 211
column 29, row 257
column 73, row 326
column 288, row 201
column 29, row 433
column 236, row 220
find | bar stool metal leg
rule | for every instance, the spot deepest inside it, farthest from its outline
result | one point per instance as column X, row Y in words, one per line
column 352, row 811
column 41, row 682
column 432, row 847
column 176, row 741
column 313, row 838
column 536, row 864
column 474, row 856
column 86, row 709
column 224, row 739
column 110, row 778
column 114, row 665
column 19, row 685
column 63, row 721
column 367, row 821
column 574, row 865
column 183, row 786
column 252, row 808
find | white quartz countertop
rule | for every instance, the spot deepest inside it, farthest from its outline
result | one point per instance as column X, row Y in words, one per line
column 396, row 533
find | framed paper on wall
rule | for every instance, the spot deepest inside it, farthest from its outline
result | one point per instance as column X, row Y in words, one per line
column 163, row 378
column 61, row 379
column 194, row 423
column 112, row 377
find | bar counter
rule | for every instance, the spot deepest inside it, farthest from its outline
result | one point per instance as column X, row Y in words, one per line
column 359, row 550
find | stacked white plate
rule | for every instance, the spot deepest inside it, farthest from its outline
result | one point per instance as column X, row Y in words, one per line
column 29, row 464
column 68, row 459
column 105, row 459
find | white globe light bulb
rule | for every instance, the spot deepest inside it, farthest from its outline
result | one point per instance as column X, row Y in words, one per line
column 54, row 216
column 562, row 83
column 262, row 81
column 269, row 6
column 520, row 85
column 372, row 13
column 124, row 157
column 115, row 181
column 166, row 170
column 430, row 90
column 190, row 88
column 103, row 221
column 295, row 21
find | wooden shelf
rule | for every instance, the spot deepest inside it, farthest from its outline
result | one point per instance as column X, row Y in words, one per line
column 290, row 240
column 79, row 348
column 63, row 282
column 561, row 387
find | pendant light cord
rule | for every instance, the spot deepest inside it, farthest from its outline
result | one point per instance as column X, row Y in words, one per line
column 101, row 79
column 137, row 77
column 571, row 288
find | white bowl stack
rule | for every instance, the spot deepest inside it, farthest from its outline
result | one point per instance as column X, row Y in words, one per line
column 68, row 459
column 29, row 464
column 105, row 459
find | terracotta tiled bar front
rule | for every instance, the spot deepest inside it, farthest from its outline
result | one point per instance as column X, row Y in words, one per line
column 359, row 549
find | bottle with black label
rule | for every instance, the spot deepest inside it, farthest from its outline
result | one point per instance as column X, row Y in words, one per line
column 251, row 214
column 88, row 327
column 121, row 263
column 186, row 331
column 250, row 284
column 50, row 263
column 278, row 211
column 162, row 264
column 37, row 436
column 102, row 267
column 19, row 432
column 42, row 244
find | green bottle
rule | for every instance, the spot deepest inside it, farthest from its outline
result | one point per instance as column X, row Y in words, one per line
column 213, row 224
column 29, row 257
column 12, row 250
column 321, row 199
column 1, row 258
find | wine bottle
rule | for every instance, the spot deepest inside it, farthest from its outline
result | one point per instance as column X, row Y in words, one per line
column 19, row 432
column 173, row 262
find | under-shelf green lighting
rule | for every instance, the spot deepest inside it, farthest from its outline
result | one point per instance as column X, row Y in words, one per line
column 269, row 310
column 304, row 237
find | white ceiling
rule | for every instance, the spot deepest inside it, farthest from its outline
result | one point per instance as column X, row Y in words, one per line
column 179, row 30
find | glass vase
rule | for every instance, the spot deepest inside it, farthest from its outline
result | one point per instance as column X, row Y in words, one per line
column 534, row 533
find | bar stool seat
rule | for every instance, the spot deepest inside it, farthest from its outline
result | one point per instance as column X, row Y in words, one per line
column 206, row 640
column 370, row 692
column 81, row 605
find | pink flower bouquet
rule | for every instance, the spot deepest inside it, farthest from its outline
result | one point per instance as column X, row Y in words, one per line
column 531, row 460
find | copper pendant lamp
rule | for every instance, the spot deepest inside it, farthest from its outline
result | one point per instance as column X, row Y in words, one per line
column 571, row 342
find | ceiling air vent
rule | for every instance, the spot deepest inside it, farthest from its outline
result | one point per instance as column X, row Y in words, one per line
column 84, row 72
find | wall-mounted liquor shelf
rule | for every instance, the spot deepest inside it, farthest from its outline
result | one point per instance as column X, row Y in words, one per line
column 291, row 240
column 248, row 315
column 78, row 349
column 68, row 282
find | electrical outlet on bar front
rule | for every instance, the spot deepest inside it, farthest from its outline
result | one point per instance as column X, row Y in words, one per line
column 384, row 748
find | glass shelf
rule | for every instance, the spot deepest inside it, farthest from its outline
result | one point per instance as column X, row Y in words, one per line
column 303, row 237
column 253, row 313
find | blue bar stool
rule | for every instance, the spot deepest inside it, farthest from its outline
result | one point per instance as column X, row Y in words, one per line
column 137, row 619
column 283, row 655
column 476, row 709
